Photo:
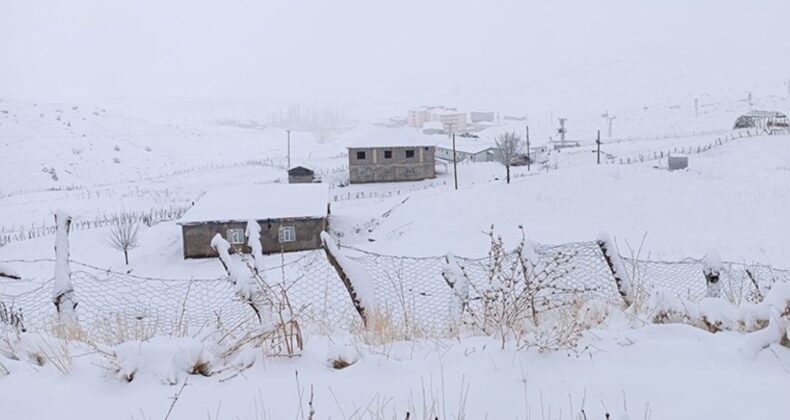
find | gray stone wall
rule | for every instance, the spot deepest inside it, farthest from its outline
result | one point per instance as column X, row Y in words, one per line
column 197, row 237
column 377, row 167
column 300, row 179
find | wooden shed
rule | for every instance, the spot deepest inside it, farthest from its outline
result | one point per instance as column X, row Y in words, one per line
column 301, row 175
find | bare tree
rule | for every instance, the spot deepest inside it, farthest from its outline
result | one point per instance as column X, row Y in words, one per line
column 508, row 147
column 124, row 234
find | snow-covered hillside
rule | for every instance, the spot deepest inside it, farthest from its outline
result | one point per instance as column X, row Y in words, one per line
column 733, row 198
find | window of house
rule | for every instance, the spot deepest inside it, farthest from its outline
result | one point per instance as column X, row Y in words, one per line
column 360, row 155
column 236, row 236
column 388, row 154
column 410, row 153
column 287, row 234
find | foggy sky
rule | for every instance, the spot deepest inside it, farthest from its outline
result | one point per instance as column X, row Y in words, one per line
column 379, row 53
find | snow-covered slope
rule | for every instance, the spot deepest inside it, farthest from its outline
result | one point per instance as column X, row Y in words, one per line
column 733, row 198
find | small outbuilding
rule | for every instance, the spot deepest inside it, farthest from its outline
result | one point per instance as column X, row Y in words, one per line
column 291, row 217
column 301, row 175
column 677, row 162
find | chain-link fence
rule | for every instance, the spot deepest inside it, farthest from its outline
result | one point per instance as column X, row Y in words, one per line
column 114, row 306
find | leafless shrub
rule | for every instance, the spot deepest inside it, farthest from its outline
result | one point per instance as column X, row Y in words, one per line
column 125, row 234
column 508, row 147
column 12, row 317
column 518, row 289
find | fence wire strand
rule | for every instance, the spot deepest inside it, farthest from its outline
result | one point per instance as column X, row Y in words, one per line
column 115, row 306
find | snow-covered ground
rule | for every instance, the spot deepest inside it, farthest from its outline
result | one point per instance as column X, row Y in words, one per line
column 657, row 372
column 95, row 162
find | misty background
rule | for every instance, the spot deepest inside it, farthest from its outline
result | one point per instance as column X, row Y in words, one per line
column 382, row 56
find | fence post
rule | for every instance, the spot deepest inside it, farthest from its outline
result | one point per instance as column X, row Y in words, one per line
column 333, row 255
column 711, row 268
column 616, row 267
column 62, row 288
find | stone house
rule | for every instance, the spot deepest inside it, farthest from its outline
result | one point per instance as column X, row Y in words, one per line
column 377, row 154
column 300, row 175
column 291, row 217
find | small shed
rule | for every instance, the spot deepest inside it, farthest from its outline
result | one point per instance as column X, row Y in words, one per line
column 677, row 162
column 291, row 217
column 301, row 175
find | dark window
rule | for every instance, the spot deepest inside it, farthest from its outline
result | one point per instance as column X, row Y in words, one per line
column 410, row 153
column 360, row 155
column 388, row 154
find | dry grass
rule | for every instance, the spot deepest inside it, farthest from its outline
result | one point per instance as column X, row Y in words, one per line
column 383, row 329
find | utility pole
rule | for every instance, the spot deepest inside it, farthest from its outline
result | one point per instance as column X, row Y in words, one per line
column 455, row 165
column 609, row 119
column 289, row 148
column 561, row 131
column 529, row 158
column 598, row 144
column 696, row 108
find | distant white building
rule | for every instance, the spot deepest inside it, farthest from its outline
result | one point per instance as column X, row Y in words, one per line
column 482, row 116
column 418, row 116
column 451, row 119
column 433, row 127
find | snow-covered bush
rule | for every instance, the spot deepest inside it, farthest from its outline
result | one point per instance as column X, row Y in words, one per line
column 766, row 323
column 340, row 357
column 168, row 359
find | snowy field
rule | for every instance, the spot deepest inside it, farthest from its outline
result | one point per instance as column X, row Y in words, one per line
column 632, row 363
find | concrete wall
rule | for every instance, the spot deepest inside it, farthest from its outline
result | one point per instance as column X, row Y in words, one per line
column 376, row 167
column 197, row 237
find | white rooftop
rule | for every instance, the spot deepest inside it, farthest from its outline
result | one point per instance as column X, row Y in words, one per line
column 373, row 136
column 466, row 144
column 240, row 203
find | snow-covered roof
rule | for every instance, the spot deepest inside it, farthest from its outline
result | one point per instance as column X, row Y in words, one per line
column 447, row 112
column 766, row 114
column 433, row 124
column 372, row 136
column 259, row 202
column 466, row 144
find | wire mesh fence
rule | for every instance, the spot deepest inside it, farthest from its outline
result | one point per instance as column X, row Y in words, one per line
column 114, row 306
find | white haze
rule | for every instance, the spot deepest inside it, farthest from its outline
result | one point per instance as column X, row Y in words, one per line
column 515, row 55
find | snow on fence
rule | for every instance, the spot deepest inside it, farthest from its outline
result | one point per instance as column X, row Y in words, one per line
column 411, row 291
column 148, row 217
column 338, row 195
column 691, row 149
